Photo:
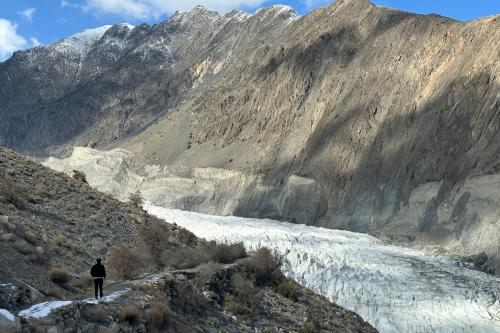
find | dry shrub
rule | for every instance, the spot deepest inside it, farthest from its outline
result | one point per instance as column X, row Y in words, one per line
column 186, row 257
column 264, row 266
column 245, row 298
column 289, row 289
column 24, row 247
column 53, row 292
column 12, row 193
column 187, row 237
column 187, row 299
column 207, row 271
column 226, row 253
column 158, row 316
column 130, row 314
column 96, row 314
column 136, row 199
column 59, row 275
column 85, row 281
column 80, row 176
column 156, row 237
column 125, row 263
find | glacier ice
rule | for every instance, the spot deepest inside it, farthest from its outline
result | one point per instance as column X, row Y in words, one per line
column 395, row 289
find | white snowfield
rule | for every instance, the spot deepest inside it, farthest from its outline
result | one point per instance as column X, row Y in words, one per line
column 43, row 309
column 395, row 289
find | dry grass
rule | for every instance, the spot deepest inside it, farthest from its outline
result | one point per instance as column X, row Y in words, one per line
column 289, row 289
column 158, row 316
column 59, row 275
column 84, row 282
column 125, row 263
column 13, row 194
column 130, row 314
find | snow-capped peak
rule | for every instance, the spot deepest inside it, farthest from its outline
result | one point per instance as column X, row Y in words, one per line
column 82, row 41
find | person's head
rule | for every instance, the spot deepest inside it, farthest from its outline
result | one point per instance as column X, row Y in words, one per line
column 98, row 260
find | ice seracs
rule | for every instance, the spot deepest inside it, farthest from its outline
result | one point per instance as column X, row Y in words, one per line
column 395, row 289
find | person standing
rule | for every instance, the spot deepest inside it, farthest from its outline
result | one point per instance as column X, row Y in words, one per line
column 98, row 273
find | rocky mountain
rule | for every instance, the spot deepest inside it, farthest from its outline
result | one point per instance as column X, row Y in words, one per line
column 160, row 276
column 353, row 116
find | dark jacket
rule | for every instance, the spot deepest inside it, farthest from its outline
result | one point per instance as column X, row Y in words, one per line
column 98, row 271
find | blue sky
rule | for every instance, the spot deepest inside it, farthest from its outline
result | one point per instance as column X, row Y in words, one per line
column 25, row 23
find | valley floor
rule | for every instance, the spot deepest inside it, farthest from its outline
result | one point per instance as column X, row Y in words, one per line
column 393, row 288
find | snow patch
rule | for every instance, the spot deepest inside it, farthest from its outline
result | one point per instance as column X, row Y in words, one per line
column 108, row 298
column 43, row 309
column 82, row 41
column 395, row 289
column 7, row 315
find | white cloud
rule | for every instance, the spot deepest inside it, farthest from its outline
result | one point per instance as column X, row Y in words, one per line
column 147, row 9
column 35, row 42
column 10, row 41
column 28, row 13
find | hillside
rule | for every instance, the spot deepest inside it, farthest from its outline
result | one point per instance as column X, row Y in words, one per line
column 53, row 227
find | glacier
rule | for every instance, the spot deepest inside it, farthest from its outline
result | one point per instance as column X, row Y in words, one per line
column 393, row 288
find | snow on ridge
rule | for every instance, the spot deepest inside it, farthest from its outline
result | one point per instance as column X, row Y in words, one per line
column 82, row 41
column 393, row 288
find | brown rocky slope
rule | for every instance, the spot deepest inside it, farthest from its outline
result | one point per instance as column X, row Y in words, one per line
column 53, row 227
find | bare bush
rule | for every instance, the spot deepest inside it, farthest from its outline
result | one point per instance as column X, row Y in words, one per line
column 264, row 266
column 245, row 298
column 226, row 253
column 207, row 271
column 158, row 316
column 125, row 263
column 156, row 237
column 130, row 314
column 59, row 275
column 289, row 289
column 187, row 299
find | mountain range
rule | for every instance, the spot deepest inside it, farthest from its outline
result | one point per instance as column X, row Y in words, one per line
column 354, row 116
